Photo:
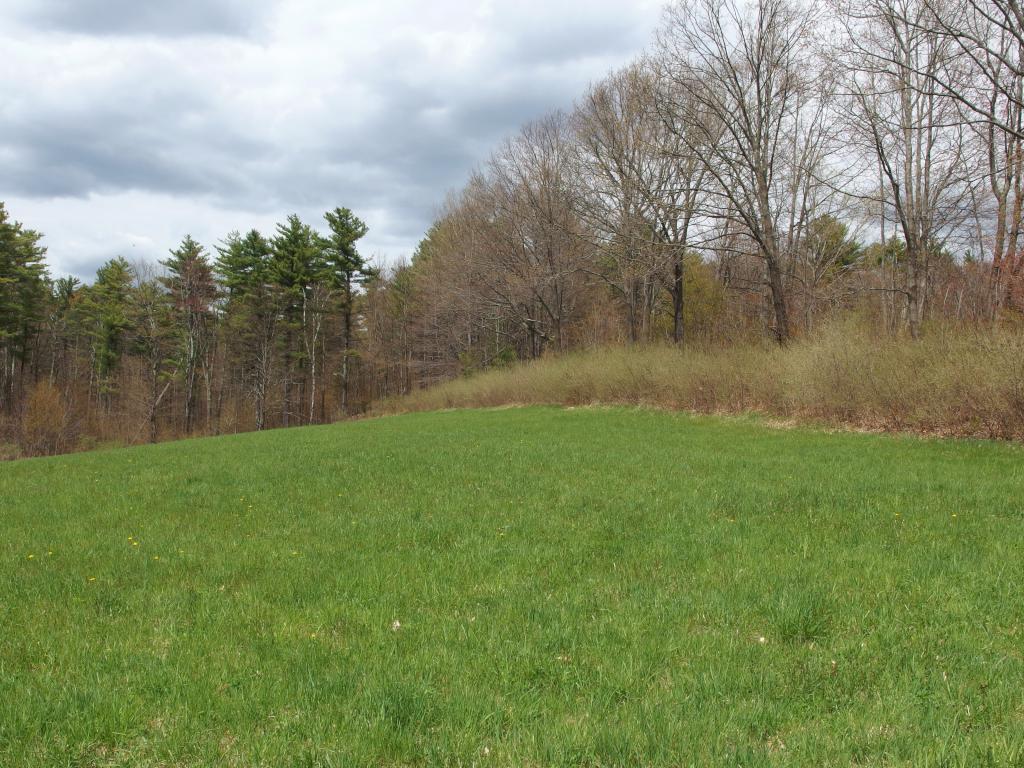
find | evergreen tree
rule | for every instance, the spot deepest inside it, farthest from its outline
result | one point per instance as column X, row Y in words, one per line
column 190, row 282
column 346, row 269
column 104, row 315
column 296, row 266
column 243, row 263
column 251, row 314
column 24, row 289
column 64, row 292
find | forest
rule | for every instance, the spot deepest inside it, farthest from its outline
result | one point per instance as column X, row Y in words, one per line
column 766, row 170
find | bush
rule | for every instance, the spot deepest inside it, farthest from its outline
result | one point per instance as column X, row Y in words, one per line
column 953, row 382
column 46, row 425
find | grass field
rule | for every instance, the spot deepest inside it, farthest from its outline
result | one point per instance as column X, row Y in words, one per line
column 516, row 588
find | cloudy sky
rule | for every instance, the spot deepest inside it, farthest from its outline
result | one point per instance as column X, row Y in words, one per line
column 125, row 124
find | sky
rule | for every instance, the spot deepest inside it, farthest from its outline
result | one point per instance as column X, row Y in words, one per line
column 127, row 124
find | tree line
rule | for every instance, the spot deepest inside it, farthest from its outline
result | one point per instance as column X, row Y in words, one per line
column 258, row 334
column 768, row 166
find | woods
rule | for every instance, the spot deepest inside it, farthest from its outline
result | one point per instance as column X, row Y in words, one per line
column 251, row 336
column 768, row 168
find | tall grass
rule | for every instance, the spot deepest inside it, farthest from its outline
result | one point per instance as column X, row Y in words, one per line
column 955, row 383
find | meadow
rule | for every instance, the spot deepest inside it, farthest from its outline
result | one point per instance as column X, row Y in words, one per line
column 517, row 587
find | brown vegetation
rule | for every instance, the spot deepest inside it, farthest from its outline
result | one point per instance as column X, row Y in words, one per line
column 46, row 426
column 952, row 383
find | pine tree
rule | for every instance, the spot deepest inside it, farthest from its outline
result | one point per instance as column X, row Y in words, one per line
column 296, row 266
column 63, row 294
column 190, row 282
column 346, row 269
column 251, row 314
column 24, row 289
column 104, row 316
column 243, row 263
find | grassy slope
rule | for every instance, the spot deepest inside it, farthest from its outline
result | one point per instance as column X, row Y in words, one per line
column 573, row 587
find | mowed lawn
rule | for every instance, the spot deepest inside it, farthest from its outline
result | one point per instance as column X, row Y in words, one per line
column 516, row 588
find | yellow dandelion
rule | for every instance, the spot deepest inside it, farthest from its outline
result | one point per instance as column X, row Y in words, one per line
column 31, row 557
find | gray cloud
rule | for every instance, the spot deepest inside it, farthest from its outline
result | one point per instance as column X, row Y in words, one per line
column 162, row 139
column 148, row 128
column 170, row 18
column 587, row 36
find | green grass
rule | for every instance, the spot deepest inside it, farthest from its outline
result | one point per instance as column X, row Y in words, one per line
column 573, row 587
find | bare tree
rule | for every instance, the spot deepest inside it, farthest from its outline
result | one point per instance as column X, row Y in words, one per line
column 984, row 78
column 988, row 36
column 912, row 133
column 743, row 69
column 624, row 177
column 519, row 238
column 995, row 111
column 680, row 198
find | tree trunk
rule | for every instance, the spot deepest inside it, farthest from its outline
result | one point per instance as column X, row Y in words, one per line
column 347, row 331
column 778, row 298
column 286, row 404
column 677, row 301
column 917, row 274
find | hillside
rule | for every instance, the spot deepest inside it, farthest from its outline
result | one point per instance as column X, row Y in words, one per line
column 518, row 587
